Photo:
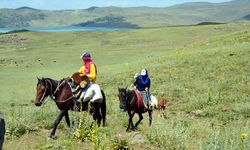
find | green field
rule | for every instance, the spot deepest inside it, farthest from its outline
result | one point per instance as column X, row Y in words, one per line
column 203, row 71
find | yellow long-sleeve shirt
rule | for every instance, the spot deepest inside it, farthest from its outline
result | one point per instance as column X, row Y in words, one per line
column 92, row 74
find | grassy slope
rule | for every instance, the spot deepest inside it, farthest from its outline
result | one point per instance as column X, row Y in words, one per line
column 189, row 13
column 203, row 71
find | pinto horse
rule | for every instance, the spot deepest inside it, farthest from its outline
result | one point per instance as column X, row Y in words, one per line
column 61, row 93
column 129, row 102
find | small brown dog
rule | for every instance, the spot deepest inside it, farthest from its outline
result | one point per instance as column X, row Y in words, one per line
column 162, row 105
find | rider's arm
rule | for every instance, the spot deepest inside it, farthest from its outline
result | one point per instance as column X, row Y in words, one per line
column 81, row 70
column 92, row 74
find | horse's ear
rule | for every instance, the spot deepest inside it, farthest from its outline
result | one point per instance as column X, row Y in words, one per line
column 43, row 79
column 119, row 89
column 39, row 80
column 126, row 88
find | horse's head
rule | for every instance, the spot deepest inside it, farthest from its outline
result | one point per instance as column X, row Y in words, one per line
column 41, row 91
column 123, row 98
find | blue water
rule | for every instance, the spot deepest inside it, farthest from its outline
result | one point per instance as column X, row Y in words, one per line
column 60, row 29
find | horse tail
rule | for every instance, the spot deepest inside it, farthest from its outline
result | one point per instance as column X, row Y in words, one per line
column 103, row 108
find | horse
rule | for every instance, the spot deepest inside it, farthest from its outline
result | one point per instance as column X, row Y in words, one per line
column 2, row 131
column 129, row 102
column 61, row 93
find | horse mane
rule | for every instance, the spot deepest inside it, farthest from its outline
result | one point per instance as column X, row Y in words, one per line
column 44, row 79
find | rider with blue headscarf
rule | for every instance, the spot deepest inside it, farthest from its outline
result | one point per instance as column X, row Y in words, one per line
column 142, row 84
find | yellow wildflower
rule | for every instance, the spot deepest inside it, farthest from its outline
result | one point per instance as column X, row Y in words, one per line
column 244, row 136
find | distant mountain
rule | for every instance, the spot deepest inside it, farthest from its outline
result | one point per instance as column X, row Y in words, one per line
column 93, row 8
column 20, row 17
column 247, row 17
column 182, row 14
column 27, row 8
column 108, row 21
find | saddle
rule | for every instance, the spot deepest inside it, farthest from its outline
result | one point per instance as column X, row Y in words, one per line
column 78, row 78
column 80, row 81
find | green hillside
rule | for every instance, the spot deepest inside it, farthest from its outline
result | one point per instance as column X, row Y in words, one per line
column 19, row 17
column 203, row 71
column 184, row 14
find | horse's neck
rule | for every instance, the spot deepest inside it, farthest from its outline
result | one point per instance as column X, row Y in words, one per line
column 131, row 95
column 53, row 84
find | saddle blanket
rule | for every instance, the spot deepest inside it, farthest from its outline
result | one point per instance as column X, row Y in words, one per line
column 93, row 94
column 143, row 96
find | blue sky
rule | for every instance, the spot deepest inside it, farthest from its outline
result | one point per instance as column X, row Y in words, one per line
column 82, row 4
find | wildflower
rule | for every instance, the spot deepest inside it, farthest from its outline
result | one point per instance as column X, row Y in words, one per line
column 244, row 136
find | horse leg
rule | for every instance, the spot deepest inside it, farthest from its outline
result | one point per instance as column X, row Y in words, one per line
column 96, row 115
column 130, row 121
column 57, row 121
column 103, row 108
column 99, row 118
column 67, row 118
column 150, row 116
column 140, row 119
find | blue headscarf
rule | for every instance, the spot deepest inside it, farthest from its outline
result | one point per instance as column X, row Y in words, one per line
column 142, row 81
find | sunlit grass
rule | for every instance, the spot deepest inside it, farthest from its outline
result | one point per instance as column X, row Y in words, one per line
column 202, row 71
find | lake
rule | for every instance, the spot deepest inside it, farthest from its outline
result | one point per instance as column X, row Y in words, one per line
column 60, row 29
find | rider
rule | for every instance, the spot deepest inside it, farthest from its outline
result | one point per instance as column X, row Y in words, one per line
column 91, row 93
column 142, row 84
column 89, row 67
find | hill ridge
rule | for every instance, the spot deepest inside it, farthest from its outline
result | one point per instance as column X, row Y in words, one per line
column 181, row 14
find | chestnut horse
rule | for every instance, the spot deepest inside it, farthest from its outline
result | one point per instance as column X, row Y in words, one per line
column 129, row 102
column 61, row 93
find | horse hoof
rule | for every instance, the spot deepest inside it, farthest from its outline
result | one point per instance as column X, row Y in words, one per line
column 52, row 137
column 128, row 130
column 135, row 129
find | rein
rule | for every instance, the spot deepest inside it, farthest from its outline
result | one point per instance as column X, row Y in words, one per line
column 43, row 97
column 127, row 98
column 52, row 94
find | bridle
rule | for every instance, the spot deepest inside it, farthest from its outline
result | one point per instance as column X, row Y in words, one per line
column 125, row 99
column 43, row 100
column 45, row 91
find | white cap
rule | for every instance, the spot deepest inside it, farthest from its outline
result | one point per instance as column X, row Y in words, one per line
column 143, row 72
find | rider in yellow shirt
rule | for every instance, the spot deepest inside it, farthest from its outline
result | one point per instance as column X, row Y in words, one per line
column 89, row 67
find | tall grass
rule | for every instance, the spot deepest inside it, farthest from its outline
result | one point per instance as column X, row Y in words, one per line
column 202, row 71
